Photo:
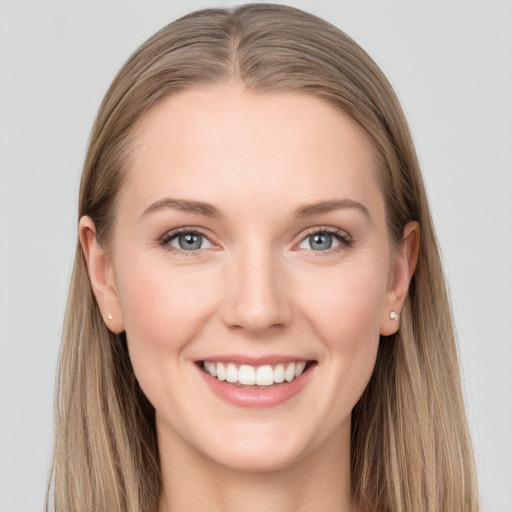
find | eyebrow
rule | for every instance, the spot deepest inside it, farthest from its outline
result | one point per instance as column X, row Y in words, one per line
column 329, row 206
column 208, row 210
column 184, row 205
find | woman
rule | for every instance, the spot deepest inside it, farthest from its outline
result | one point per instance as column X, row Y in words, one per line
column 252, row 320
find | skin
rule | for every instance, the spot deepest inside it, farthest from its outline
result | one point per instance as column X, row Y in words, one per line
column 256, row 287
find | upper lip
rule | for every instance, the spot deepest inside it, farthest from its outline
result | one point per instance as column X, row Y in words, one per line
column 254, row 361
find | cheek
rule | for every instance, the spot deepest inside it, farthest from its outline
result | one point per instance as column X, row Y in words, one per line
column 346, row 303
column 345, row 311
column 163, row 306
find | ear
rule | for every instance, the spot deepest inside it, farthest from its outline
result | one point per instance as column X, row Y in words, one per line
column 404, row 266
column 101, row 276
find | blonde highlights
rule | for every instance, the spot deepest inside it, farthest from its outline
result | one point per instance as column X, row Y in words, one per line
column 411, row 450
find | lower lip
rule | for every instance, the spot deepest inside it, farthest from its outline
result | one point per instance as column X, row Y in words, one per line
column 257, row 398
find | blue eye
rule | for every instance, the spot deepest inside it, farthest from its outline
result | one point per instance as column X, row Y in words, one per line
column 187, row 241
column 323, row 240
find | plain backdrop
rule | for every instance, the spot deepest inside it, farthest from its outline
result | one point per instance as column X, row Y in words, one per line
column 451, row 65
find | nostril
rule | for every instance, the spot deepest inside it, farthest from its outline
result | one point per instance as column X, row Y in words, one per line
column 258, row 318
column 254, row 328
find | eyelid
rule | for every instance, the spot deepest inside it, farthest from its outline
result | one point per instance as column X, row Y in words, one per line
column 164, row 240
column 343, row 237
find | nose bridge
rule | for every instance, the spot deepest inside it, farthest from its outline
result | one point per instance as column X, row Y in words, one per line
column 257, row 298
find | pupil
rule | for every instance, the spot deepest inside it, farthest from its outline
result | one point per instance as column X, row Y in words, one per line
column 190, row 241
column 321, row 241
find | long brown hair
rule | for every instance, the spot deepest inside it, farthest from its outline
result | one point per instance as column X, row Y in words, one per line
column 410, row 445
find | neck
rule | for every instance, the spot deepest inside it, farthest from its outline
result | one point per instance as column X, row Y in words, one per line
column 318, row 481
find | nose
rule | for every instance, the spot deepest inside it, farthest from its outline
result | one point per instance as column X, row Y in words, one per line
column 257, row 299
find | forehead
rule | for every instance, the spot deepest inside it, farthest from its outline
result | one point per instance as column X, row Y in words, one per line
column 227, row 145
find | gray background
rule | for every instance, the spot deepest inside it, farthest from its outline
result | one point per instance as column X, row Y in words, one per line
column 451, row 64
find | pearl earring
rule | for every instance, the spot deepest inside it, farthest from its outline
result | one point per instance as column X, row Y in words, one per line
column 109, row 316
column 393, row 315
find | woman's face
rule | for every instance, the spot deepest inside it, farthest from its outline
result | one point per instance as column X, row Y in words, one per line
column 251, row 236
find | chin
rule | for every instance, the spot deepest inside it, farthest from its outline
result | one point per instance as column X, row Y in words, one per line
column 257, row 458
column 260, row 447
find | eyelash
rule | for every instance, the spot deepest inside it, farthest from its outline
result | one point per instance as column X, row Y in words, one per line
column 344, row 239
column 164, row 241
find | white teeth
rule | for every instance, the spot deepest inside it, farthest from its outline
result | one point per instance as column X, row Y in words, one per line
column 289, row 373
column 279, row 373
column 221, row 371
column 232, row 373
column 248, row 375
column 265, row 376
column 299, row 368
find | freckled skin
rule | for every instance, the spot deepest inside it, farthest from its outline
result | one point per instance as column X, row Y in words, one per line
column 256, row 288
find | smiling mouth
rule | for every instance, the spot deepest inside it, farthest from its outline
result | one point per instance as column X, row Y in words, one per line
column 256, row 377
